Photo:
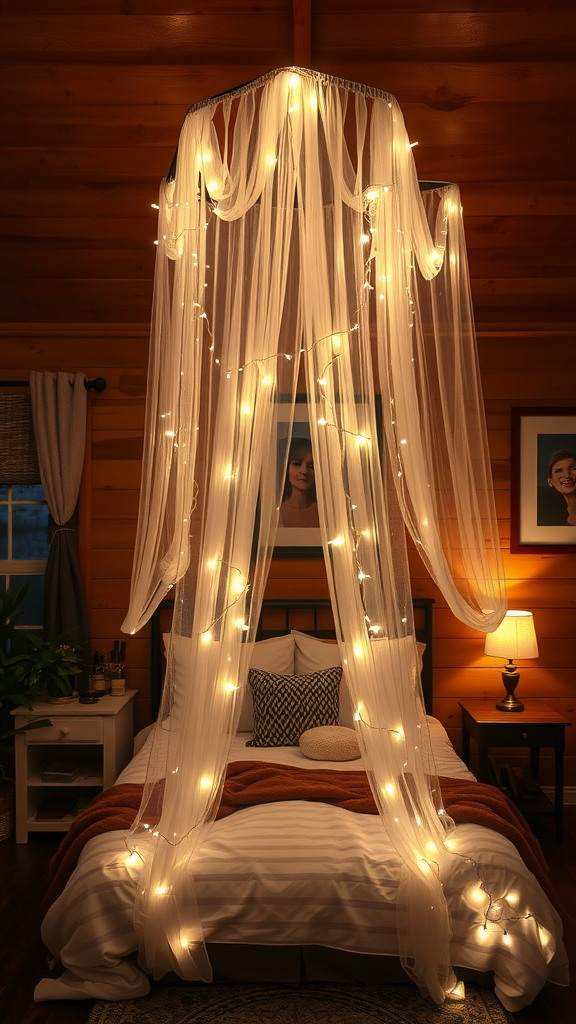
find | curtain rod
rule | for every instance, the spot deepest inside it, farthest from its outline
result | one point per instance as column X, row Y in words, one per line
column 98, row 384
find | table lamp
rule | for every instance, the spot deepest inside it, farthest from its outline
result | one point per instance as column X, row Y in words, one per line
column 514, row 638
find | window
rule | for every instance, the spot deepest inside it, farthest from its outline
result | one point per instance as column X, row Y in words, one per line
column 24, row 548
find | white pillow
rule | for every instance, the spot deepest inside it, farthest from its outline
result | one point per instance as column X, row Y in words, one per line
column 313, row 655
column 273, row 655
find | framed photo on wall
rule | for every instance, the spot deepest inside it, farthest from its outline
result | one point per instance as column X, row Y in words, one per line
column 543, row 481
column 295, row 541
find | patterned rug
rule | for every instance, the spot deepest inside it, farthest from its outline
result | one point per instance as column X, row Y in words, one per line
column 309, row 1004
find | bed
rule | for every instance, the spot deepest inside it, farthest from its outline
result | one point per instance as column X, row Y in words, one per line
column 300, row 888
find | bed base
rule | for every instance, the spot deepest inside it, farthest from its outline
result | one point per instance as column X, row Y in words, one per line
column 300, row 965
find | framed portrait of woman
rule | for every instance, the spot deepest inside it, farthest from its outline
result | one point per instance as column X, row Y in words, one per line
column 298, row 532
column 543, row 481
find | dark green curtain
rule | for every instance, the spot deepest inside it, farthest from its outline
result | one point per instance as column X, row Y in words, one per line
column 59, row 403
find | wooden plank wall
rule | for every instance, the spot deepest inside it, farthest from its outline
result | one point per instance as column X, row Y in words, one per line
column 93, row 97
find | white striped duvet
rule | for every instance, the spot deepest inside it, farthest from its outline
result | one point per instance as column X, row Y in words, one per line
column 301, row 874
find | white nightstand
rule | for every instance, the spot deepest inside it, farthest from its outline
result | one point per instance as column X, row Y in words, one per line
column 96, row 740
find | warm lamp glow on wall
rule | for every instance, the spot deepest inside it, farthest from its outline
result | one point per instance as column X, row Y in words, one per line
column 514, row 638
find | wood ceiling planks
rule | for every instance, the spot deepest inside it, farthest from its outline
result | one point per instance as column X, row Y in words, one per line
column 94, row 97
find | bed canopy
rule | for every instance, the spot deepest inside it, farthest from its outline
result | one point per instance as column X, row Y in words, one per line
column 294, row 243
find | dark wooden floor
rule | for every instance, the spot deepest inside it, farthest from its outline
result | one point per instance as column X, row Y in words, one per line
column 23, row 958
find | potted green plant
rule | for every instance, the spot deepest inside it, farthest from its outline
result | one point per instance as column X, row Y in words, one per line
column 14, row 682
column 50, row 667
column 14, row 692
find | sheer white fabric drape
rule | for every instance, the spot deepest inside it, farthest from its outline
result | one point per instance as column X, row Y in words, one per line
column 294, row 228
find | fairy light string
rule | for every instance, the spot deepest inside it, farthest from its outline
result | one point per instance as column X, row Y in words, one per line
column 356, row 533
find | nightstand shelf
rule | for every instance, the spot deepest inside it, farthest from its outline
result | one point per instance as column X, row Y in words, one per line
column 94, row 740
column 535, row 727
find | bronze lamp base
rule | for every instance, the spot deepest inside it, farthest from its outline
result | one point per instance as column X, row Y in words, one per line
column 510, row 678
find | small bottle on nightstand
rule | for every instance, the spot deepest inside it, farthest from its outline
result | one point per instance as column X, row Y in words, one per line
column 97, row 679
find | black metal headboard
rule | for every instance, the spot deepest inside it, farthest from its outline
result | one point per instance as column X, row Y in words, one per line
column 308, row 616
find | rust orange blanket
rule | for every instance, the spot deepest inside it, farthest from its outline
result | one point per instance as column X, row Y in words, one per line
column 258, row 782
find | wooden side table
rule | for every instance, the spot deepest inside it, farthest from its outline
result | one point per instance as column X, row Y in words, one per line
column 94, row 742
column 537, row 726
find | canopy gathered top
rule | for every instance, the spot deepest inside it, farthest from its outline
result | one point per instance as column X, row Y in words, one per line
column 293, row 231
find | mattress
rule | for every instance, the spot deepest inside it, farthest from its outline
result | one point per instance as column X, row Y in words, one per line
column 304, row 874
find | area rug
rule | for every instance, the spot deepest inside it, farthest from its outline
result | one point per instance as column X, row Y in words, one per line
column 309, row 1004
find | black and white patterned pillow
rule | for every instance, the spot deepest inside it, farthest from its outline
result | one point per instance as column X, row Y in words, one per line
column 286, row 706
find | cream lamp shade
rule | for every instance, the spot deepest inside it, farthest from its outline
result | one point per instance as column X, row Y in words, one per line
column 514, row 638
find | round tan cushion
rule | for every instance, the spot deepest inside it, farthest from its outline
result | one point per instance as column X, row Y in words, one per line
column 330, row 743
